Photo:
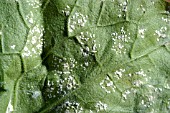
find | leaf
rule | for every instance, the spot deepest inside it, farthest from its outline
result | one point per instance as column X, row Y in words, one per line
column 106, row 56
column 21, row 72
column 72, row 56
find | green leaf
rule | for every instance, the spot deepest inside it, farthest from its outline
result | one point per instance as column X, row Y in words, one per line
column 21, row 72
column 106, row 56
column 89, row 56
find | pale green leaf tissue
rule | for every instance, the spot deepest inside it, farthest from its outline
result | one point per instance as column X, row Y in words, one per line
column 84, row 56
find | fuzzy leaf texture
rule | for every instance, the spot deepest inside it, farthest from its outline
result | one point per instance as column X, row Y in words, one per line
column 84, row 56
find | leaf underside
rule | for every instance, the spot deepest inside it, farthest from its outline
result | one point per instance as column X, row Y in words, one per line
column 73, row 56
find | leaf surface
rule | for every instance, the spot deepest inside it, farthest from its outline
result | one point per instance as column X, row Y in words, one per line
column 108, row 56
column 73, row 56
